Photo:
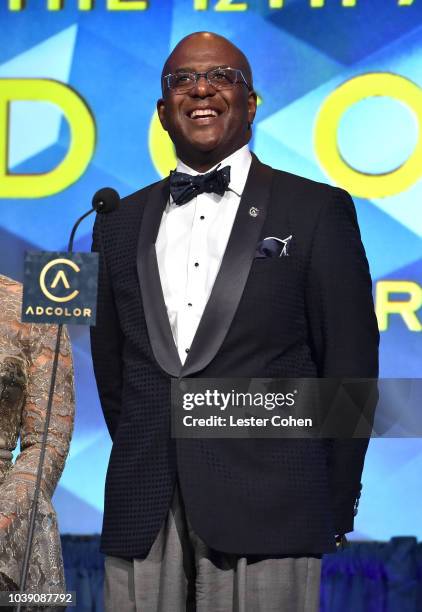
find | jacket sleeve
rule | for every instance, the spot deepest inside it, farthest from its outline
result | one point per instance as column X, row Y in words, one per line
column 106, row 339
column 344, row 333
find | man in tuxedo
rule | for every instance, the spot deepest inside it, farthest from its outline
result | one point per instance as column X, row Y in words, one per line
column 227, row 268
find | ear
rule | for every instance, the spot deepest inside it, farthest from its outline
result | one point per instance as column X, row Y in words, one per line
column 252, row 103
column 162, row 113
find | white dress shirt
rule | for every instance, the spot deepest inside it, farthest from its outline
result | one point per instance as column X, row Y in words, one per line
column 190, row 246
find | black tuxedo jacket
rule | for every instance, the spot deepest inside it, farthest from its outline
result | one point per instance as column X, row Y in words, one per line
column 309, row 314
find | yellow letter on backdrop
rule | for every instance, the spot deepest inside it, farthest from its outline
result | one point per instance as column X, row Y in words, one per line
column 127, row 5
column 82, row 138
column 16, row 5
column 407, row 309
column 327, row 124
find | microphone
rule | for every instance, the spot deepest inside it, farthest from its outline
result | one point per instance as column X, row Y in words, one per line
column 105, row 200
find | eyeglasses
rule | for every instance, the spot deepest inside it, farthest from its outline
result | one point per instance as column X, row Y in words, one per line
column 219, row 78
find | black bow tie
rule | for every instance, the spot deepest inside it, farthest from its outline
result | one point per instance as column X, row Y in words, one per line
column 184, row 187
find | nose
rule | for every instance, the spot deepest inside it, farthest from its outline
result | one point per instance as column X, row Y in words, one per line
column 202, row 88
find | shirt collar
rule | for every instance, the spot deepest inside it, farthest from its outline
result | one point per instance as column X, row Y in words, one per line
column 239, row 163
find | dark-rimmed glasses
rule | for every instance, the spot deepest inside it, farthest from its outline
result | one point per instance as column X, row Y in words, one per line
column 219, row 78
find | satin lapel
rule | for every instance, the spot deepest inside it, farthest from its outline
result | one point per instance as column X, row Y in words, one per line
column 231, row 278
column 159, row 330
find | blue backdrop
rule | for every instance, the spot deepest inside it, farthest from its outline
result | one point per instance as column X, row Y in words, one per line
column 340, row 92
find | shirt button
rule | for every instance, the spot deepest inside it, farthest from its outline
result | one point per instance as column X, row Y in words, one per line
column 186, row 350
column 202, row 217
column 189, row 304
column 196, row 264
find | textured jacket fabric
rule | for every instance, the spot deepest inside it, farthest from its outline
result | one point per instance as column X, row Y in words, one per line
column 306, row 315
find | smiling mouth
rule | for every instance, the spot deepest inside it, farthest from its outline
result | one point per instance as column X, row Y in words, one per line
column 203, row 113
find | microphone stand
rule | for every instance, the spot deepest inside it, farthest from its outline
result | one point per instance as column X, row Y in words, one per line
column 34, row 506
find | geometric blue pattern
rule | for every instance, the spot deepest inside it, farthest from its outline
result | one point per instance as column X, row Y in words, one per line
column 299, row 56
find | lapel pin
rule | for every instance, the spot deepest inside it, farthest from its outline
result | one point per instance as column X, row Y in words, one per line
column 253, row 211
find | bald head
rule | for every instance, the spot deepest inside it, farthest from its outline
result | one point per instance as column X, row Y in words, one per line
column 200, row 42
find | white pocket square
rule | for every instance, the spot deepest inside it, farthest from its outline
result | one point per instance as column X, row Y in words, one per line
column 273, row 247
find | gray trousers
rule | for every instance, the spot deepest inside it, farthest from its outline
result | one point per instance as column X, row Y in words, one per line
column 182, row 574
